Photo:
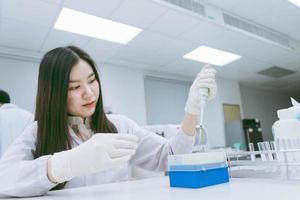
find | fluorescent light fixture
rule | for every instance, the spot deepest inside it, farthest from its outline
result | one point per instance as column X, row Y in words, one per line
column 296, row 2
column 97, row 27
column 212, row 56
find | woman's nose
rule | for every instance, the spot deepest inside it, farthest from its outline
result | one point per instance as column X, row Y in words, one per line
column 87, row 92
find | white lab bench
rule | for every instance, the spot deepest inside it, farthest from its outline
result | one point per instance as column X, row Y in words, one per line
column 158, row 188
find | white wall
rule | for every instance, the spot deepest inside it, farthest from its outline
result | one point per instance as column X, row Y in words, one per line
column 263, row 104
column 19, row 79
column 229, row 93
column 165, row 100
column 123, row 90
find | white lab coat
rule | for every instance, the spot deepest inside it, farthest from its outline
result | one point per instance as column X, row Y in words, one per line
column 21, row 175
column 13, row 120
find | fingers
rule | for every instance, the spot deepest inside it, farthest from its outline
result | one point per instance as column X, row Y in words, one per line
column 210, row 86
column 125, row 144
column 126, row 137
column 207, row 71
column 207, row 67
column 120, row 160
column 206, row 75
column 201, row 80
column 205, row 78
column 202, row 76
column 117, row 153
column 117, row 136
column 117, row 140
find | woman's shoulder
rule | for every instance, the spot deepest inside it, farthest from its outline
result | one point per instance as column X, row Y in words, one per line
column 122, row 122
column 30, row 129
column 32, row 125
column 118, row 119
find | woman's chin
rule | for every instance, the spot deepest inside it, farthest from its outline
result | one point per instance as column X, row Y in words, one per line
column 85, row 114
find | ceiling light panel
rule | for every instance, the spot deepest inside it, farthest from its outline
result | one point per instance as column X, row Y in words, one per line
column 93, row 26
column 212, row 56
column 295, row 2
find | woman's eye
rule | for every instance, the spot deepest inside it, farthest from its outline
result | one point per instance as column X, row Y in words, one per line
column 91, row 81
column 74, row 88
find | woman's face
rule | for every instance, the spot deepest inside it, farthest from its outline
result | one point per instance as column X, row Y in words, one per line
column 83, row 92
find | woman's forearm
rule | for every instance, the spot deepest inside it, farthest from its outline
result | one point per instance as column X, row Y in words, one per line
column 188, row 124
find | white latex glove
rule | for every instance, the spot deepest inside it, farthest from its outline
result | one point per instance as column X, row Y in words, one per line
column 204, row 79
column 101, row 152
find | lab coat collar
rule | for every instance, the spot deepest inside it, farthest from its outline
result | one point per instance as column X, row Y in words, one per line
column 77, row 141
column 73, row 120
column 77, row 126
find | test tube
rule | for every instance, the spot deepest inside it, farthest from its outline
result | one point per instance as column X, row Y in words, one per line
column 268, row 148
column 291, row 155
column 273, row 148
column 251, row 149
column 261, row 147
column 280, row 144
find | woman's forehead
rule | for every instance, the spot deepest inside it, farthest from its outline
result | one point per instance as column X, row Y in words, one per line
column 81, row 70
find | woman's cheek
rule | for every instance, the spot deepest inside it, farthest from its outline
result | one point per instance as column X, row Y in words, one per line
column 72, row 97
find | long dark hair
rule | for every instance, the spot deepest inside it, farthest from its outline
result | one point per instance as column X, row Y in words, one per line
column 51, row 101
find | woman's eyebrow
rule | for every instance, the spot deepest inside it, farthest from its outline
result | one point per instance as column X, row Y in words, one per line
column 92, row 74
column 74, row 81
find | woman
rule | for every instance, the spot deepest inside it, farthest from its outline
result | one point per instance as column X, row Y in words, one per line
column 73, row 143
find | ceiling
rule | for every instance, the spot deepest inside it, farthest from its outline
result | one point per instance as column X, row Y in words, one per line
column 26, row 26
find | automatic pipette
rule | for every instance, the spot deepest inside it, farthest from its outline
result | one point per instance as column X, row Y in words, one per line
column 201, row 137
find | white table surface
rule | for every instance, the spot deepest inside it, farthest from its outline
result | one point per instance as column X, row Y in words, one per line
column 158, row 189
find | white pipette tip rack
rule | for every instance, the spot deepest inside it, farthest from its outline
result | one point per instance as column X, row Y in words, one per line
column 197, row 170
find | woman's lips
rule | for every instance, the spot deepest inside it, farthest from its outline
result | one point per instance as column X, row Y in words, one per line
column 89, row 105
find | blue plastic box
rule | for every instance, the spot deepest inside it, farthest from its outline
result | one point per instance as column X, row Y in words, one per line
column 197, row 176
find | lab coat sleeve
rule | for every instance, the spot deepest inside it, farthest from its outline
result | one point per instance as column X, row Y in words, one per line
column 20, row 174
column 153, row 150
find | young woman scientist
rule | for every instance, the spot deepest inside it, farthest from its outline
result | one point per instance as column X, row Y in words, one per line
column 73, row 143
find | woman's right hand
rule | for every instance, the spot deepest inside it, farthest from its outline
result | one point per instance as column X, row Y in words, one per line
column 101, row 152
column 204, row 79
